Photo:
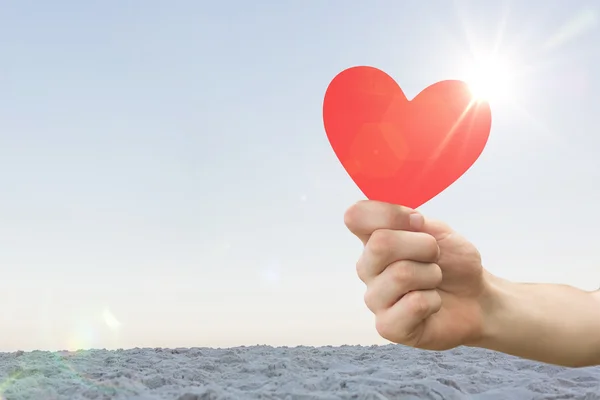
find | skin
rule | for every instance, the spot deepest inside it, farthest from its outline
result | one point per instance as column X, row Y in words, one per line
column 428, row 289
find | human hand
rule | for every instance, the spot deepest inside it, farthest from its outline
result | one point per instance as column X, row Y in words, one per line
column 425, row 283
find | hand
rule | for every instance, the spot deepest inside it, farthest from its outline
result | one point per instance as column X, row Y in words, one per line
column 425, row 283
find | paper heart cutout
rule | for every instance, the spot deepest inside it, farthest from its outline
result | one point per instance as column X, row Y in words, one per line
column 400, row 151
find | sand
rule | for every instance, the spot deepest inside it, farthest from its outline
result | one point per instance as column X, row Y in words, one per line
column 263, row 372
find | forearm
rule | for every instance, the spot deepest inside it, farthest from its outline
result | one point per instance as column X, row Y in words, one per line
column 556, row 324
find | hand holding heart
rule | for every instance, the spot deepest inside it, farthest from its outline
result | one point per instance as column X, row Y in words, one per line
column 425, row 283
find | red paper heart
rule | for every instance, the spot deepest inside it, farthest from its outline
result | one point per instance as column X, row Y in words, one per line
column 400, row 151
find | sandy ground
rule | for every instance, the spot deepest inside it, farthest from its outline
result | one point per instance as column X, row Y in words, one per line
column 262, row 372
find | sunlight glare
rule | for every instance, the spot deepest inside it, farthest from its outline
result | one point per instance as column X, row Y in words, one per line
column 490, row 80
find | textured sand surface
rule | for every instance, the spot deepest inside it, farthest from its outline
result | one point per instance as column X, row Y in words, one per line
column 262, row 372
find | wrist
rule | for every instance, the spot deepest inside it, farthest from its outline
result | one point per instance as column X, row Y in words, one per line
column 495, row 304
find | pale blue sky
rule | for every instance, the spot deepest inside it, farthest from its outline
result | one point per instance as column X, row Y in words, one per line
column 164, row 163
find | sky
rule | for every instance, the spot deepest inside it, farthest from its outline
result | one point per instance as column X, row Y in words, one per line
column 166, row 180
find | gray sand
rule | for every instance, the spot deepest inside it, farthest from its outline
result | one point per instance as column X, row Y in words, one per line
column 262, row 372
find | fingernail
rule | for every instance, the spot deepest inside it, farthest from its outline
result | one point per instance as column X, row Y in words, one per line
column 416, row 221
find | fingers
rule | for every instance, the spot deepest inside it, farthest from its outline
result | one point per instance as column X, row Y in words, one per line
column 399, row 266
column 403, row 322
column 397, row 280
column 365, row 217
column 384, row 247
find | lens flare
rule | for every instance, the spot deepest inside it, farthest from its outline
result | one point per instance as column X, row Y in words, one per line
column 111, row 321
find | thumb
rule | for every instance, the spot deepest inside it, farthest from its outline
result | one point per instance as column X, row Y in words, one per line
column 438, row 229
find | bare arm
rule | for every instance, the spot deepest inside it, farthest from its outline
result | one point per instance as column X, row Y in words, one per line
column 556, row 324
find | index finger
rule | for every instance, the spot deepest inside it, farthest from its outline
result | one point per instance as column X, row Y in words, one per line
column 367, row 216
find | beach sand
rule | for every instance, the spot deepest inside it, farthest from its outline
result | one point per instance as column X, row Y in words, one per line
column 263, row 372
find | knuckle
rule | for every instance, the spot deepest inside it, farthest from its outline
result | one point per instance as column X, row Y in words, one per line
column 385, row 329
column 361, row 270
column 418, row 304
column 390, row 329
column 381, row 242
column 369, row 299
column 402, row 273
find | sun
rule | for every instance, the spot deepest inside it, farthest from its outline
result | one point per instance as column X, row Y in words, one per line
column 490, row 80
